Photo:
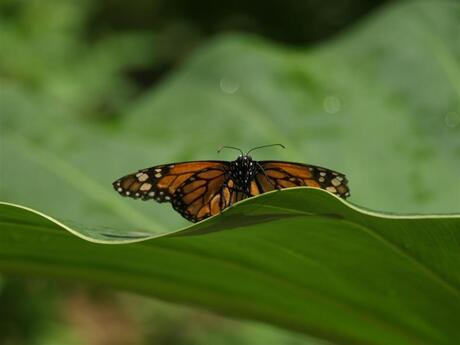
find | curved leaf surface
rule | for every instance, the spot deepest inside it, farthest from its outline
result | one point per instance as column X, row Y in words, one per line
column 300, row 258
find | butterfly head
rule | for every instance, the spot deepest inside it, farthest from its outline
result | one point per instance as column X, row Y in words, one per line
column 245, row 160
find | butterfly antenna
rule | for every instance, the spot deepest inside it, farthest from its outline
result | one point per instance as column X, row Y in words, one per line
column 259, row 147
column 230, row 147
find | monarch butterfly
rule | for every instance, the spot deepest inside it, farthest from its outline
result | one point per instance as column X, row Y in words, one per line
column 200, row 189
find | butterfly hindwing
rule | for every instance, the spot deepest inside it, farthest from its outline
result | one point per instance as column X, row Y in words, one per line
column 204, row 194
column 279, row 175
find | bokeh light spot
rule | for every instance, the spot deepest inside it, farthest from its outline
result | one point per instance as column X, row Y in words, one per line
column 228, row 85
column 332, row 104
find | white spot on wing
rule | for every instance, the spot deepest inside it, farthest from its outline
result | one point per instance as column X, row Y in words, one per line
column 145, row 187
column 142, row 177
column 335, row 182
column 331, row 189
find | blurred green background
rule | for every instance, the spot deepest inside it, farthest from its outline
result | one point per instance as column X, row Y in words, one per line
column 90, row 91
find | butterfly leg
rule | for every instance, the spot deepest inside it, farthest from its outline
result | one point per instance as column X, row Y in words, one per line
column 238, row 194
column 230, row 199
column 236, row 191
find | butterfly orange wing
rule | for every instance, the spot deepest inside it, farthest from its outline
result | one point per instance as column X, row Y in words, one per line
column 161, row 182
column 205, row 194
column 200, row 189
column 279, row 175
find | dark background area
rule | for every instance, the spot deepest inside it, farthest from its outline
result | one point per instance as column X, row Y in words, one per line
column 182, row 25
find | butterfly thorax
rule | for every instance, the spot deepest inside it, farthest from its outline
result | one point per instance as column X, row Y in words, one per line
column 242, row 171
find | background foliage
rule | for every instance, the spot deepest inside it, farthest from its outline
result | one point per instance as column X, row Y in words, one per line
column 88, row 93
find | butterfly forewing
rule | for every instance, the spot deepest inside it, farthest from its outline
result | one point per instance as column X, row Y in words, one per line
column 279, row 175
column 161, row 182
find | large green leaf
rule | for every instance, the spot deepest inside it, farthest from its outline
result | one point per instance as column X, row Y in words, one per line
column 299, row 258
